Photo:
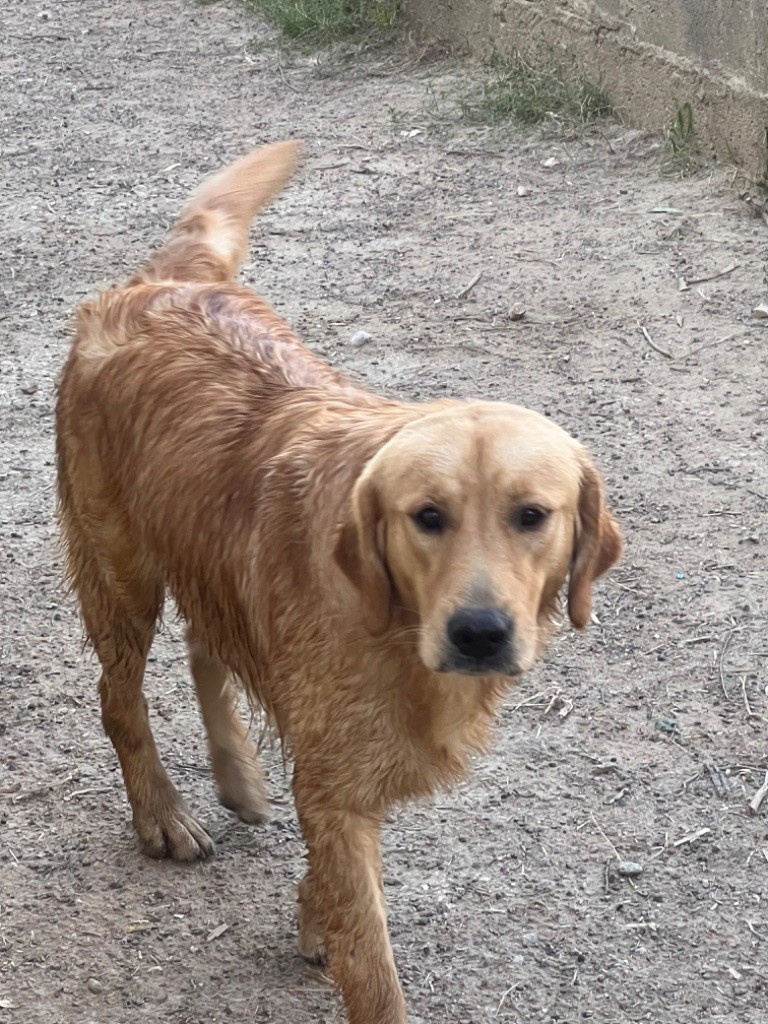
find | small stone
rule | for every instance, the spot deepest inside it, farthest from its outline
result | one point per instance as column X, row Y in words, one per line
column 95, row 986
column 550, row 162
column 760, row 312
column 629, row 868
column 516, row 312
column 523, row 190
column 668, row 725
column 360, row 338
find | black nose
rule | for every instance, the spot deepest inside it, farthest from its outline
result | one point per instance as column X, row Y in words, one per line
column 479, row 633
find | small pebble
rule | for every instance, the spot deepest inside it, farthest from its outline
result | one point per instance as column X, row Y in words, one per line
column 629, row 868
column 360, row 338
column 95, row 986
column 522, row 190
column 516, row 312
column 667, row 725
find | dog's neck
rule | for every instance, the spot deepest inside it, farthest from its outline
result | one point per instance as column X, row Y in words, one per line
column 443, row 718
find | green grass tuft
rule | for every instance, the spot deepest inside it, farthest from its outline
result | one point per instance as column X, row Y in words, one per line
column 681, row 155
column 528, row 96
column 326, row 21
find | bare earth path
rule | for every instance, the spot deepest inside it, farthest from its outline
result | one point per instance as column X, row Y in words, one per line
column 644, row 739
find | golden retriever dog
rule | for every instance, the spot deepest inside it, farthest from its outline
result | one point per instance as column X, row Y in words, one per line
column 375, row 574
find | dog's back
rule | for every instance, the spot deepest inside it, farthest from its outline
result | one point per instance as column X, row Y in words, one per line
column 165, row 394
column 167, row 387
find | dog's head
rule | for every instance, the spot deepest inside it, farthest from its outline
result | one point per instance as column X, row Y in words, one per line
column 470, row 519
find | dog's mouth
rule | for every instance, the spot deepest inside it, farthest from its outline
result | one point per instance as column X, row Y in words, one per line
column 501, row 665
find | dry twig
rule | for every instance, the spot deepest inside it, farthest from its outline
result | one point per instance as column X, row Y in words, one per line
column 468, row 287
column 747, row 705
column 692, row 837
column 760, row 795
column 30, row 794
column 654, row 346
column 605, row 837
column 709, row 344
column 721, row 662
column 712, row 277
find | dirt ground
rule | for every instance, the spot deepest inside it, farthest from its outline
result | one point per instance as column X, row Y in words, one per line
column 642, row 740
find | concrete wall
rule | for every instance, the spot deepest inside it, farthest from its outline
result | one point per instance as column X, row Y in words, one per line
column 649, row 56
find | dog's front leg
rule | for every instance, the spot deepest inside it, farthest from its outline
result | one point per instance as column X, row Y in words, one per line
column 343, row 891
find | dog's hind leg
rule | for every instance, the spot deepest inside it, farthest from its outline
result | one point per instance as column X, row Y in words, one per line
column 234, row 757
column 121, row 599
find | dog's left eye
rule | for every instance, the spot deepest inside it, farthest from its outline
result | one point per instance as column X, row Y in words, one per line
column 530, row 517
column 430, row 519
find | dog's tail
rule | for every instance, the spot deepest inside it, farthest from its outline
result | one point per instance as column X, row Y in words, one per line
column 209, row 241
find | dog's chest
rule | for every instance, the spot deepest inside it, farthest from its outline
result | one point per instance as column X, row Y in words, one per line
column 432, row 738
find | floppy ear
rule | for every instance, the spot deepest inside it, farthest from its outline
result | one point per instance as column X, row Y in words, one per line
column 360, row 556
column 597, row 545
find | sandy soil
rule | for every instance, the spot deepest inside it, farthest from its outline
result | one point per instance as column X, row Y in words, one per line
column 642, row 740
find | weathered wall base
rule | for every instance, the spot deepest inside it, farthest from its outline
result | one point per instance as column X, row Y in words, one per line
column 650, row 57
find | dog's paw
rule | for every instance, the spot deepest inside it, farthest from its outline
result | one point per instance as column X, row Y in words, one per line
column 241, row 786
column 312, row 948
column 254, row 813
column 174, row 834
column 311, row 932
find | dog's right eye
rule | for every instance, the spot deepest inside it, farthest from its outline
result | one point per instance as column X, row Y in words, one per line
column 430, row 519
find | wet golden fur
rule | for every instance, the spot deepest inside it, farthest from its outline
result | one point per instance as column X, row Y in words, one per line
column 203, row 450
